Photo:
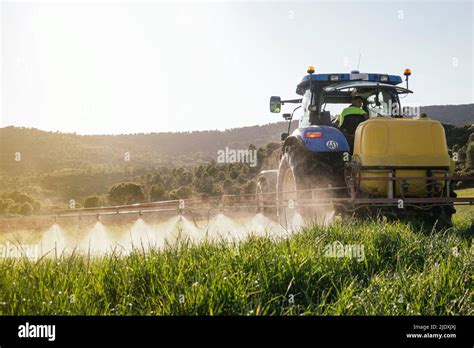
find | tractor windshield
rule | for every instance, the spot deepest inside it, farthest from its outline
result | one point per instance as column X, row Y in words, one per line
column 379, row 99
column 379, row 103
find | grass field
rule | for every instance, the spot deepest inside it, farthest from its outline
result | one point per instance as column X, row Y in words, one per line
column 393, row 270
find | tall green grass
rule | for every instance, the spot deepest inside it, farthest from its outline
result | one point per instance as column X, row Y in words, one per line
column 405, row 271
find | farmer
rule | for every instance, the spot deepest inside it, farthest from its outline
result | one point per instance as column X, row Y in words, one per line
column 354, row 109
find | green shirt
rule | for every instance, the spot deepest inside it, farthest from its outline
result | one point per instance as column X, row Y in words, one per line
column 350, row 110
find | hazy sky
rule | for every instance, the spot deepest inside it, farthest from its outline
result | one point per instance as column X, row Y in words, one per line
column 152, row 67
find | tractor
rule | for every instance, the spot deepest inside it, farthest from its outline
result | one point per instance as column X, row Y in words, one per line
column 390, row 162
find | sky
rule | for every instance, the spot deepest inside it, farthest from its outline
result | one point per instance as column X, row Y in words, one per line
column 128, row 67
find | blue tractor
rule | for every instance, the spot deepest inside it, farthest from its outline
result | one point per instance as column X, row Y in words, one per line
column 313, row 157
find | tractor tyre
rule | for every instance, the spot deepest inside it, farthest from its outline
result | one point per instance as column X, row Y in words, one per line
column 300, row 172
column 444, row 218
column 265, row 198
column 439, row 220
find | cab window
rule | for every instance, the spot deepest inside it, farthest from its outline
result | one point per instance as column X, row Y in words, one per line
column 304, row 120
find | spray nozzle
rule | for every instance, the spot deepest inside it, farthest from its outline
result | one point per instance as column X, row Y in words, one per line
column 181, row 207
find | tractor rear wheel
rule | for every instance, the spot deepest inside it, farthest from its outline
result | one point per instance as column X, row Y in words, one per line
column 302, row 179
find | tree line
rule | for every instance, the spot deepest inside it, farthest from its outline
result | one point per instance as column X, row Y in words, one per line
column 131, row 182
column 134, row 185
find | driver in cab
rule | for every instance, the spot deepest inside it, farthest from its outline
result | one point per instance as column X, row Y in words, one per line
column 355, row 109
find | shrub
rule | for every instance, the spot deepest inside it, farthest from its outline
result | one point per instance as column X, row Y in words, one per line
column 36, row 207
column 26, row 209
column 91, row 202
column 126, row 193
column 157, row 193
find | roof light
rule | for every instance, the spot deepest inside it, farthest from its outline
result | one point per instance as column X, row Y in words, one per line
column 407, row 72
column 311, row 69
column 384, row 78
column 312, row 134
column 334, row 77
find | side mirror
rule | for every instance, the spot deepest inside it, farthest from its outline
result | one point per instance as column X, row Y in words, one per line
column 284, row 136
column 287, row 117
column 275, row 104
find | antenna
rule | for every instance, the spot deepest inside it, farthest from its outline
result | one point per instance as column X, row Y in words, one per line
column 358, row 63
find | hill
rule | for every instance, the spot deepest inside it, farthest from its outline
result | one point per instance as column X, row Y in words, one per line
column 457, row 115
column 27, row 150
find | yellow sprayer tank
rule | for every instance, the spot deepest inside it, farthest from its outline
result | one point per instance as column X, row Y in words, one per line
column 401, row 147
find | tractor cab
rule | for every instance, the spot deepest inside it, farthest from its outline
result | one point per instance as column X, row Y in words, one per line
column 326, row 95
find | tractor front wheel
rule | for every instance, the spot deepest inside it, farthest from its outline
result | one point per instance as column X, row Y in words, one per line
column 439, row 220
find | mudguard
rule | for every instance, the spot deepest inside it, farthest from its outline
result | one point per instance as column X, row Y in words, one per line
column 331, row 140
